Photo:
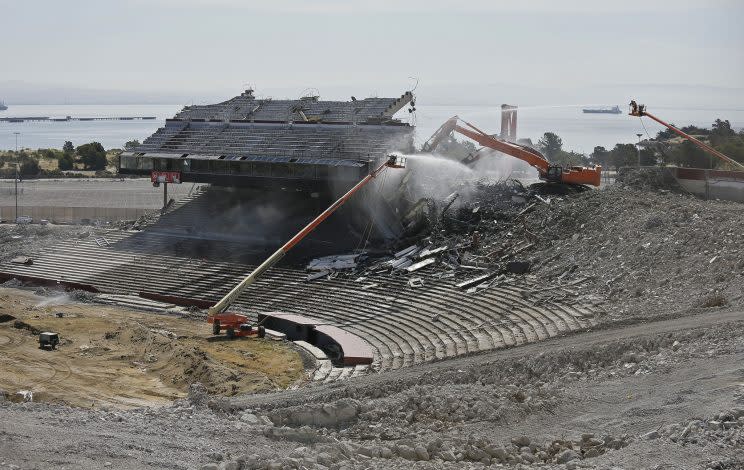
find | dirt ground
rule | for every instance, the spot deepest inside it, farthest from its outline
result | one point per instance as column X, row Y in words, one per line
column 662, row 395
column 119, row 358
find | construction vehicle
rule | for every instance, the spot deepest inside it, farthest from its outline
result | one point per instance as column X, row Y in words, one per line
column 48, row 340
column 574, row 175
column 639, row 110
column 237, row 324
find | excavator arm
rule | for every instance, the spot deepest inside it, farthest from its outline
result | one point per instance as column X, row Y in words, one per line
column 577, row 175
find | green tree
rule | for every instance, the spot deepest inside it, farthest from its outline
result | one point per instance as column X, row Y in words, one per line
column 648, row 157
column 733, row 148
column 695, row 130
column 722, row 128
column 600, row 156
column 624, row 155
column 92, row 156
column 48, row 153
column 29, row 166
column 568, row 159
column 132, row 144
column 66, row 162
column 666, row 133
column 689, row 154
column 68, row 148
column 550, row 145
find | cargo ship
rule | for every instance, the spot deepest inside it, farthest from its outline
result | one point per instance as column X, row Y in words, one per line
column 606, row 110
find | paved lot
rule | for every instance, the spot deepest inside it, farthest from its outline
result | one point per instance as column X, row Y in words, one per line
column 130, row 193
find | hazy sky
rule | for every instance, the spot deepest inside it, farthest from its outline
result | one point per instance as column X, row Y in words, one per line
column 528, row 51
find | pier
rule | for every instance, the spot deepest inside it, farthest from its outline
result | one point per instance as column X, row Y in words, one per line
column 70, row 118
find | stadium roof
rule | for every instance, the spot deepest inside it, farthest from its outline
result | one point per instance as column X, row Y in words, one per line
column 246, row 107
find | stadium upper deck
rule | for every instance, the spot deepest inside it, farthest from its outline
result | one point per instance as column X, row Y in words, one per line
column 245, row 140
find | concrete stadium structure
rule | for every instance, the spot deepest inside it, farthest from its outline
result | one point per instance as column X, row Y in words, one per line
column 245, row 141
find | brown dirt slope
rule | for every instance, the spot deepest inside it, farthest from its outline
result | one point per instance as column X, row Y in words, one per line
column 117, row 357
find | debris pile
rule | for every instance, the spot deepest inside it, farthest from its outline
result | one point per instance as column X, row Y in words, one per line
column 722, row 430
column 634, row 251
column 641, row 252
column 21, row 242
column 469, row 239
column 649, row 179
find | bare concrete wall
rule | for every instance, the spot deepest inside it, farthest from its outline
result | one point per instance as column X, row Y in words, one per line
column 712, row 184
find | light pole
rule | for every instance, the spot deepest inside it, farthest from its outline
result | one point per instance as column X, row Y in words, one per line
column 16, row 176
column 638, row 148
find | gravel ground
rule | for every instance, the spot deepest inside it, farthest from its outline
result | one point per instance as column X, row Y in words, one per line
column 666, row 394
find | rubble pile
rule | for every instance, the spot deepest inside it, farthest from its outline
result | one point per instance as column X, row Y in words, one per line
column 460, row 235
column 633, row 251
column 722, row 430
column 650, row 179
column 140, row 222
column 642, row 252
column 25, row 240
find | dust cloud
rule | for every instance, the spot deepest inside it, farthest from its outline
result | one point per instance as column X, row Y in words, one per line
column 436, row 176
column 53, row 301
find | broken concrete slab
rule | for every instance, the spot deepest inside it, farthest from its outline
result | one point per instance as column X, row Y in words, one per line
column 420, row 264
column 475, row 281
column 328, row 263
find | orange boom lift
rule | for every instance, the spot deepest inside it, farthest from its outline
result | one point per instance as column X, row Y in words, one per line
column 639, row 110
column 236, row 324
column 575, row 175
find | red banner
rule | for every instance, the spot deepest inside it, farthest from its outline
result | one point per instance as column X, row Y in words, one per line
column 165, row 177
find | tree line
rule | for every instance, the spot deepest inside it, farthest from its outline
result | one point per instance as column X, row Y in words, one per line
column 90, row 157
column 666, row 148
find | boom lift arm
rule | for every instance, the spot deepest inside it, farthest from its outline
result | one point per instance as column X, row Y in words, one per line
column 236, row 324
column 553, row 173
column 639, row 110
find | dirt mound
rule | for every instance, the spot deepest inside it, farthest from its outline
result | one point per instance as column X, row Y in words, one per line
column 181, row 362
column 122, row 358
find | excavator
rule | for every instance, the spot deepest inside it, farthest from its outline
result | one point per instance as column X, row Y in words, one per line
column 639, row 110
column 237, row 324
column 574, row 175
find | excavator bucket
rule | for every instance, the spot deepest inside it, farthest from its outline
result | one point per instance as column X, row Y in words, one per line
column 582, row 175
